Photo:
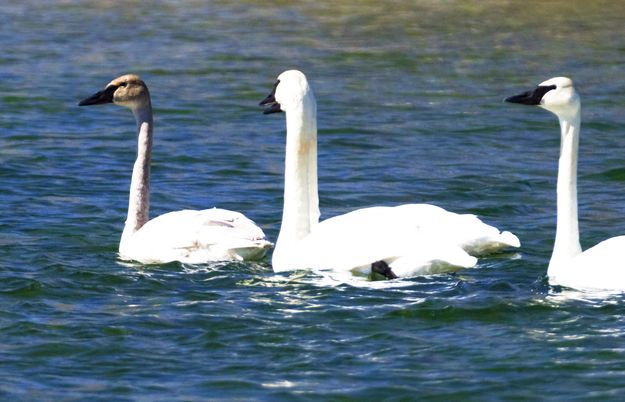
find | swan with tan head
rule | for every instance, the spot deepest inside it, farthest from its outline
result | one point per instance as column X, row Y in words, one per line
column 187, row 236
column 407, row 240
column 602, row 266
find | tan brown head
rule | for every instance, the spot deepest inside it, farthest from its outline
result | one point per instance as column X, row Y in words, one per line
column 127, row 90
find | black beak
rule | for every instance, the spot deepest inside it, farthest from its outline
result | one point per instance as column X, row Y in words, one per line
column 104, row 96
column 532, row 97
column 270, row 100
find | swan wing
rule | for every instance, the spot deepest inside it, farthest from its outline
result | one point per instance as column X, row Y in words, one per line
column 194, row 237
column 466, row 230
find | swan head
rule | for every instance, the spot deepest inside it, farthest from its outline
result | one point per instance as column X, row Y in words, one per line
column 290, row 91
column 127, row 90
column 556, row 95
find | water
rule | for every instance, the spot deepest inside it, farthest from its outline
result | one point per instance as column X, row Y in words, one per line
column 410, row 110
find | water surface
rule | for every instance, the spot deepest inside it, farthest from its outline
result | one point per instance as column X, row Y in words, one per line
column 410, row 110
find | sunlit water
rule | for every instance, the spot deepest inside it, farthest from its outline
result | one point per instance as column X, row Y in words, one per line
column 410, row 110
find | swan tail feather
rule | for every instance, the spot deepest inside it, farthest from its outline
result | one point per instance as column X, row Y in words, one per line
column 509, row 239
column 491, row 244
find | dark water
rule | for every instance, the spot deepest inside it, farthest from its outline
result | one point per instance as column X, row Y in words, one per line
column 410, row 108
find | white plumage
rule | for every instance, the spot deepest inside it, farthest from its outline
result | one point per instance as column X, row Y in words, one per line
column 600, row 267
column 413, row 239
column 196, row 237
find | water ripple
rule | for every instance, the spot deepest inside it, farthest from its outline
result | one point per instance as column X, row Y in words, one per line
column 410, row 110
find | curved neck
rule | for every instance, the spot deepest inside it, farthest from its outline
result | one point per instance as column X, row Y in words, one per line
column 139, row 197
column 566, row 243
column 301, row 199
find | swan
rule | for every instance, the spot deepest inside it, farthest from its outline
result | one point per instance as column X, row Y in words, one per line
column 186, row 236
column 401, row 241
column 601, row 267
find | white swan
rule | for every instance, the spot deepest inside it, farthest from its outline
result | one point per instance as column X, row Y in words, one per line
column 413, row 239
column 602, row 266
column 186, row 236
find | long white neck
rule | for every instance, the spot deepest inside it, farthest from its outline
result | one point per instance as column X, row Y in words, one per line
column 139, row 197
column 566, row 243
column 301, row 199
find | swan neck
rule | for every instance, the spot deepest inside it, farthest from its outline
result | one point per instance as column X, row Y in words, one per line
column 566, row 243
column 301, row 200
column 139, row 197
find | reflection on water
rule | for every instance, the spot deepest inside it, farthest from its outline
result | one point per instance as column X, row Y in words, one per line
column 594, row 297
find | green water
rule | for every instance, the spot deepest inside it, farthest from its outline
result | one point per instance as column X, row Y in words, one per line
column 410, row 110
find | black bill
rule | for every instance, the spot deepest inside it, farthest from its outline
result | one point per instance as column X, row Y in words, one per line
column 104, row 96
column 532, row 97
column 272, row 105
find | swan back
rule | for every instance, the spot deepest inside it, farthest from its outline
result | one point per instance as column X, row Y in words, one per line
column 195, row 237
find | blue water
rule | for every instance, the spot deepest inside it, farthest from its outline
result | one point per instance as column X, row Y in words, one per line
column 410, row 110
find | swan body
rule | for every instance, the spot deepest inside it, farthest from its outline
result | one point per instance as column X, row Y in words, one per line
column 195, row 237
column 187, row 236
column 412, row 239
column 601, row 267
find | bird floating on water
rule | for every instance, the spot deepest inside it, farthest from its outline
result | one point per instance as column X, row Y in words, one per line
column 401, row 241
column 188, row 236
column 599, row 267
